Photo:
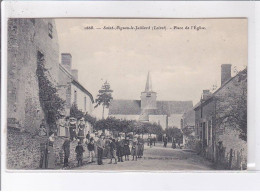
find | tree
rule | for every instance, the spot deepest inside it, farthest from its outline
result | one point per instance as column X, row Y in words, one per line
column 231, row 106
column 175, row 133
column 104, row 97
column 50, row 101
column 75, row 112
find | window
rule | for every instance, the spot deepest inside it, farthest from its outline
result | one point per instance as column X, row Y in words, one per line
column 75, row 96
column 50, row 28
column 85, row 104
column 148, row 95
column 209, row 131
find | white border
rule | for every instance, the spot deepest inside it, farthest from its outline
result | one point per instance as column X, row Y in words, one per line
column 133, row 180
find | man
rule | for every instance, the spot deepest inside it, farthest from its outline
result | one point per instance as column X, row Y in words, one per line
column 91, row 149
column 79, row 151
column 100, row 149
column 66, row 149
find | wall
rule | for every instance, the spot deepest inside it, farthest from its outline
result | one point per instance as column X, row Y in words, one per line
column 174, row 120
column 126, row 117
column 81, row 99
column 159, row 119
column 26, row 38
column 23, row 150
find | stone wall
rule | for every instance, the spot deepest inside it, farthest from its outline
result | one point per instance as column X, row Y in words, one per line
column 23, row 150
column 26, row 38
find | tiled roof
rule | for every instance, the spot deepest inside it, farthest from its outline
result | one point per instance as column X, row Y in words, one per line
column 133, row 107
column 125, row 107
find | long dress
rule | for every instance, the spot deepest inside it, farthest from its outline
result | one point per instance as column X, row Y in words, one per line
column 81, row 130
column 127, row 148
column 134, row 149
column 61, row 129
column 73, row 128
column 51, row 155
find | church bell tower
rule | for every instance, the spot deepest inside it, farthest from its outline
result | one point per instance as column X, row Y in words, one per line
column 148, row 97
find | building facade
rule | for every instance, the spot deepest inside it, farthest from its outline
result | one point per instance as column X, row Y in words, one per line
column 70, row 88
column 215, row 113
column 188, row 125
column 31, row 42
column 149, row 109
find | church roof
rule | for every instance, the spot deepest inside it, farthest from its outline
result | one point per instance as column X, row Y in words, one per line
column 133, row 107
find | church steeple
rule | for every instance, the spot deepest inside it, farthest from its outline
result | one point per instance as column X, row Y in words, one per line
column 148, row 86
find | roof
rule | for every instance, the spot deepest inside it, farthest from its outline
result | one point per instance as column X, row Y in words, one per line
column 212, row 96
column 133, row 107
column 76, row 83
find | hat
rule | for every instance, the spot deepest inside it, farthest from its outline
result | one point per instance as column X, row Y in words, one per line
column 50, row 133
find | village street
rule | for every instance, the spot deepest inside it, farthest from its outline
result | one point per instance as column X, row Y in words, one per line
column 156, row 158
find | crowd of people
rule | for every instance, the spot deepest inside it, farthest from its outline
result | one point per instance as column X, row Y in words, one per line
column 116, row 148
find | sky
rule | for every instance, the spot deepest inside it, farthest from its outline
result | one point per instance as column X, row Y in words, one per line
column 182, row 60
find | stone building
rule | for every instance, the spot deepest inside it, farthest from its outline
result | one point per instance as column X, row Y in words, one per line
column 70, row 88
column 188, row 125
column 31, row 42
column 149, row 109
column 213, row 114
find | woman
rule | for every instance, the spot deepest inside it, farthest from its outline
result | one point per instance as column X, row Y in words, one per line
column 73, row 128
column 127, row 148
column 51, row 155
column 61, row 128
column 81, row 130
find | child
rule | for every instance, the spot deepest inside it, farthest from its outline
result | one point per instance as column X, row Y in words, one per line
column 91, row 148
column 112, row 145
column 79, row 150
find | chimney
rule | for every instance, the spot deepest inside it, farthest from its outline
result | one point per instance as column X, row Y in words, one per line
column 225, row 73
column 66, row 60
column 206, row 94
column 74, row 73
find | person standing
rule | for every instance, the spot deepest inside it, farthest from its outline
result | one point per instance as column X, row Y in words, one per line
column 112, row 150
column 151, row 142
column 42, row 130
column 100, row 149
column 134, row 149
column 81, row 130
column 88, row 137
column 73, row 128
column 66, row 149
column 140, row 147
column 79, row 151
column 91, row 150
column 127, row 148
column 165, row 141
column 51, row 155
column 67, row 132
column 61, row 127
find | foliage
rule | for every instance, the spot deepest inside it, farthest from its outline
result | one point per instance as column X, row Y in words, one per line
column 92, row 120
column 232, row 106
column 127, row 126
column 104, row 97
column 175, row 133
column 51, row 103
column 75, row 112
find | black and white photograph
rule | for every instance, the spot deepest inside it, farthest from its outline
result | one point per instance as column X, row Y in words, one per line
column 121, row 94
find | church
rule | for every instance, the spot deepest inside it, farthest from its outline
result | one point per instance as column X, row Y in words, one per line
column 149, row 109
